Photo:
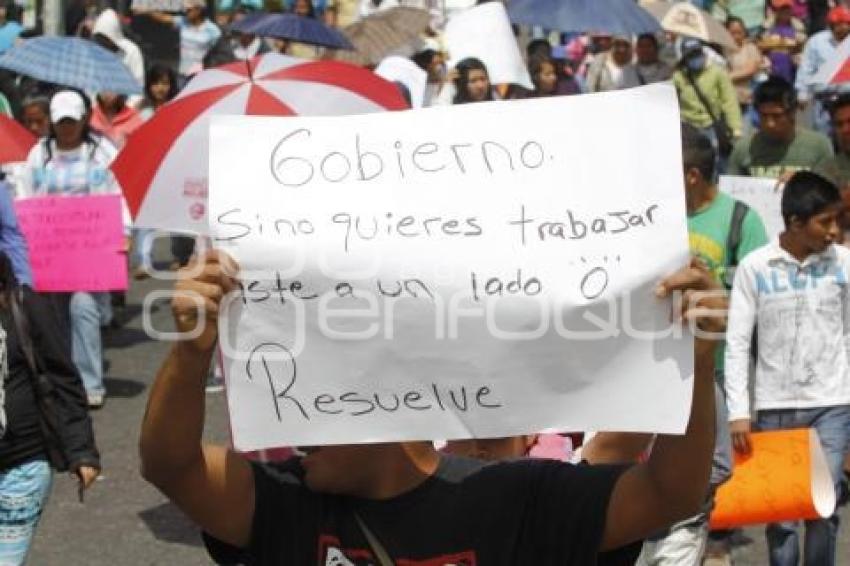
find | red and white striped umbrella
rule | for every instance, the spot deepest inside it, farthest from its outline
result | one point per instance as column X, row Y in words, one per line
column 163, row 167
column 15, row 140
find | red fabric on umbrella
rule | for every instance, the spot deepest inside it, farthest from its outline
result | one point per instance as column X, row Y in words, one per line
column 163, row 167
column 15, row 141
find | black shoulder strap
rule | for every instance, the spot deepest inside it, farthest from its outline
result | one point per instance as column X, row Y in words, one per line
column 733, row 240
column 381, row 554
column 701, row 95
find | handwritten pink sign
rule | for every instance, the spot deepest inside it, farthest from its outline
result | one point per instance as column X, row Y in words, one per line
column 75, row 243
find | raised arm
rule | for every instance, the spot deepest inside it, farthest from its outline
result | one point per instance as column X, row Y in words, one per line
column 211, row 484
column 673, row 483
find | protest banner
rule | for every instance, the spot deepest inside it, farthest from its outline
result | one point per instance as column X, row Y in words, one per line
column 439, row 273
column 762, row 195
column 784, row 478
column 157, row 5
column 485, row 32
column 75, row 243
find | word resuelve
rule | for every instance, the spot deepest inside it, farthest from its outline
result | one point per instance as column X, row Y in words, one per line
column 429, row 397
column 440, row 273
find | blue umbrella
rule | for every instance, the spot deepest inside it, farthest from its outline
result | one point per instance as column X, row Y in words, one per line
column 71, row 61
column 293, row 28
column 610, row 16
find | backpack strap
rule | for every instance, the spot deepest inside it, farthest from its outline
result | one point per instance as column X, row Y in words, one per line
column 733, row 240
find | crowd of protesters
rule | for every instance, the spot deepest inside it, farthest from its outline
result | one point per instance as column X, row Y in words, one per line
column 752, row 110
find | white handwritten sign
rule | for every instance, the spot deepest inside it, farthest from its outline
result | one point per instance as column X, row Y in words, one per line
column 475, row 270
column 760, row 194
column 485, row 32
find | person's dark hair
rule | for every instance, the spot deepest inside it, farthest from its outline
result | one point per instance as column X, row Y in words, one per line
column 535, row 67
column 538, row 48
column 736, row 20
column 156, row 73
column 649, row 36
column 424, row 58
column 89, row 134
column 119, row 102
column 464, row 68
column 8, row 282
column 37, row 99
column 838, row 102
column 311, row 13
column 697, row 152
column 775, row 90
column 807, row 194
column 14, row 13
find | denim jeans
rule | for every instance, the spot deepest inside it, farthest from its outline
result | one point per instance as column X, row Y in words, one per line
column 23, row 495
column 832, row 426
column 89, row 311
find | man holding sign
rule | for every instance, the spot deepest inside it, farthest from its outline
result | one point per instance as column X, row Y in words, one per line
column 404, row 501
column 418, row 275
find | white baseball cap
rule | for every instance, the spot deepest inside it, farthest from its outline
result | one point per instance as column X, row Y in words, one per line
column 67, row 104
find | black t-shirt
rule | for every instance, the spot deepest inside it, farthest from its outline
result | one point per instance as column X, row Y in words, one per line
column 468, row 513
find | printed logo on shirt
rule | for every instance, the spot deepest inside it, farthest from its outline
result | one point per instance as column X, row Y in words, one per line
column 710, row 252
column 789, row 279
column 331, row 553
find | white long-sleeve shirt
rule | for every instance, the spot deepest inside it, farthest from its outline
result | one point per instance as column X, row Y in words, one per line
column 802, row 313
column 81, row 171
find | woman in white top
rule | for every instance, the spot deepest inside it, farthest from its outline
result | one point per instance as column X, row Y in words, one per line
column 73, row 161
column 607, row 70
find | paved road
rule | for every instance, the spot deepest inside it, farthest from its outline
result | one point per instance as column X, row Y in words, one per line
column 126, row 522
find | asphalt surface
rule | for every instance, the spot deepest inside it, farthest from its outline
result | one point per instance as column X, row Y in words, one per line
column 125, row 521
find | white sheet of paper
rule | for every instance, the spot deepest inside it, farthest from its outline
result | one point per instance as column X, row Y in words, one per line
column 761, row 195
column 452, row 272
column 408, row 73
column 485, row 32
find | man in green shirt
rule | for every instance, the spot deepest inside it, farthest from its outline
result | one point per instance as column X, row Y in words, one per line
column 711, row 220
column 714, row 85
column 712, row 215
column 778, row 149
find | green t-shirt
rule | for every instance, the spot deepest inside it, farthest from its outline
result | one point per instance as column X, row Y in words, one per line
column 708, row 234
column 836, row 169
column 5, row 107
column 759, row 156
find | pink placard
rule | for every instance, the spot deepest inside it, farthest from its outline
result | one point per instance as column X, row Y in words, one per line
column 75, row 243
